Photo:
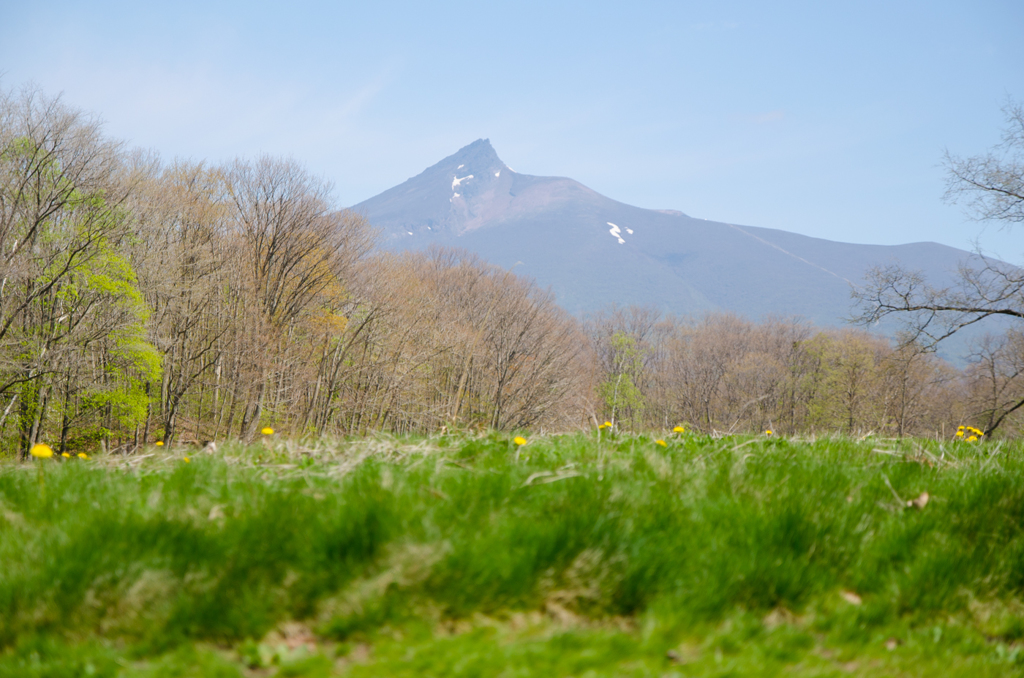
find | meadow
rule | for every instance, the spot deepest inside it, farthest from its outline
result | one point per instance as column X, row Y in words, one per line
column 598, row 554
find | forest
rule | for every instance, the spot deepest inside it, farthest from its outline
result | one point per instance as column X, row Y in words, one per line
column 145, row 300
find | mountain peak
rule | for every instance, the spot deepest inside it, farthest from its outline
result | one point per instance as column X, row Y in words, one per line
column 478, row 156
column 450, row 197
column 480, row 146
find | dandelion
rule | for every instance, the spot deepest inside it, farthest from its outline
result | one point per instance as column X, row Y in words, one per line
column 267, row 431
column 159, row 443
column 661, row 442
column 41, row 451
column 519, row 440
column 83, row 455
column 969, row 433
column 65, row 455
column 679, row 429
column 605, row 425
column 768, row 432
column 187, row 460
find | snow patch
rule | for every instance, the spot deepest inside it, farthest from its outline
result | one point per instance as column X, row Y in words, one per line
column 616, row 233
column 409, row 232
column 457, row 195
column 460, row 167
column 456, row 180
column 498, row 173
column 629, row 230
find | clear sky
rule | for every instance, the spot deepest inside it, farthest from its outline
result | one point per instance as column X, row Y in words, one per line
column 824, row 118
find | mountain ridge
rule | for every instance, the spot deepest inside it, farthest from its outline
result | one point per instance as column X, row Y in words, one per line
column 592, row 250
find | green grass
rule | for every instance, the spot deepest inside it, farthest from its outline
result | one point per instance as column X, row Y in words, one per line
column 573, row 555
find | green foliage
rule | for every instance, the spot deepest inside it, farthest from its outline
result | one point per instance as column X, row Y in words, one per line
column 110, row 274
column 95, row 313
column 81, row 335
column 620, row 391
column 840, row 383
column 133, row 363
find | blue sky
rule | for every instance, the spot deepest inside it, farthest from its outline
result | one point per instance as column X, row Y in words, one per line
column 828, row 119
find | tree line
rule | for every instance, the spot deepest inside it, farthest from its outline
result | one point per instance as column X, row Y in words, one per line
column 722, row 373
column 145, row 301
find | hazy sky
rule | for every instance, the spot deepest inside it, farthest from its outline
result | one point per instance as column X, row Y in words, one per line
column 805, row 116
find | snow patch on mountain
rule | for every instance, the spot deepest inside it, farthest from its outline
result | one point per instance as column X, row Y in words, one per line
column 456, row 180
column 616, row 232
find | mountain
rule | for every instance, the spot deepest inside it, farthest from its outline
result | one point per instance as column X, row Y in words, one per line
column 592, row 250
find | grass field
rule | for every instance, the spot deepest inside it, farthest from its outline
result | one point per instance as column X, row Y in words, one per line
column 578, row 555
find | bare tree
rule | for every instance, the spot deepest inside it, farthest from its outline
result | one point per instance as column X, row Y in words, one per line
column 992, row 185
column 997, row 377
column 183, row 265
column 295, row 247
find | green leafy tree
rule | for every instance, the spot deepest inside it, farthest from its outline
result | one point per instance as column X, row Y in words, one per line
column 620, row 389
column 70, row 308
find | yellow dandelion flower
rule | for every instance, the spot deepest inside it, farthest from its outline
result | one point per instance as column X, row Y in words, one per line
column 605, row 425
column 661, row 442
column 159, row 443
column 267, row 431
column 41, row 450
column 972, row 439
column 519, row 440
column 65, row 455
column 960, row 433
column 768, row 432
column 187, row 460
column 83, row 455
column 679, row 429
